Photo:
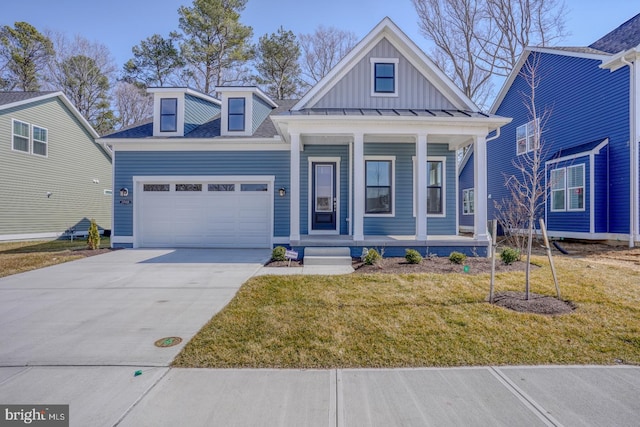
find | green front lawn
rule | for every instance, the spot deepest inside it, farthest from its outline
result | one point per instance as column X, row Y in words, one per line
column 18, row 257
column 421, row 320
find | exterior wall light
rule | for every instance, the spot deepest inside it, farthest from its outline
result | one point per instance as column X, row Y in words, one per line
column 282, row 191
column 124, row 192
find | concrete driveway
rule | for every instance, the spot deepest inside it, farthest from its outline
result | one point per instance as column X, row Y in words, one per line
column 110, row 309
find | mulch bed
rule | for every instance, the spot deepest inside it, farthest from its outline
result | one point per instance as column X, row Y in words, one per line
column 538, row 304
column 476, row 265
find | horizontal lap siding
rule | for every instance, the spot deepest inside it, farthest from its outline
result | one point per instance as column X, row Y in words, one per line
column 341, row 151
column 74, row 161
column 573, row 221
column 466, row 181
column 260, row 112
column 585, row 103
column 446, row 225
column 601, row 207
column 201, row 163
column 197, row 111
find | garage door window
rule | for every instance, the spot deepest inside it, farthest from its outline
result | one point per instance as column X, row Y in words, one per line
column 253, row 187
column 222, row 187
column 188, row 187
column 155, row 187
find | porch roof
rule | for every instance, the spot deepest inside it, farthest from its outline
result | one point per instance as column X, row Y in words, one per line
column 388, row 112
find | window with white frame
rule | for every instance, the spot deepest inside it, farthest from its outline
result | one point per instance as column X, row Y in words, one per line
column 40, row 141
column 568, row 188
column 379, row 186
column 526, row 136
column 435, row 187
column 21, row 136
column 168, row 114
column 384, row 76
column 467, row 202
column 236, row 114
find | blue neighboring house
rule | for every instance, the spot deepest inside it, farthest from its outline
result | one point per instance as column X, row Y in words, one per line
column 590, row 137
column 365, row 159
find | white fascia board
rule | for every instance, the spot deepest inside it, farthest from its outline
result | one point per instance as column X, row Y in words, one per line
column 65, row 101
column 617, row 61
column 523, row 58
column 407, row 47
column 196, row 145
column 595, row 151
column 251, row 89
column 184, row 90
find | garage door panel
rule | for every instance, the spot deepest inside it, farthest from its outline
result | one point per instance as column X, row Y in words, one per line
column 206, row 218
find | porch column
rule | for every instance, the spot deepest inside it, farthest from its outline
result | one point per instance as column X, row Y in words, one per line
column 294, row 189
column 421, row 190
column 480, row 187
column 358, row 187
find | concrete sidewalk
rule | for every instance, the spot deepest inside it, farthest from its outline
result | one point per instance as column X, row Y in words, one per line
column 483, row 396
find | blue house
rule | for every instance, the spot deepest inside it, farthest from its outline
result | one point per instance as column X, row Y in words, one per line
column 365, row 159
column 589, row 135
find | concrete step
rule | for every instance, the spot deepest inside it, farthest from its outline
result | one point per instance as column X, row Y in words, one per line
column 327, row 251
column 311, row 260
column 326, row 256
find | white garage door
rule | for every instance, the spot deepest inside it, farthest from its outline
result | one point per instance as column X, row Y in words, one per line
column 205, row 214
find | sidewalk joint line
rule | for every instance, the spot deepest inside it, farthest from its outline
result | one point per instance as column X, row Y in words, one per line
column 139, row 399
column 528, row 401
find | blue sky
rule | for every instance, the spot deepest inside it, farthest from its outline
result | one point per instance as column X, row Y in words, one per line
column 121, row 24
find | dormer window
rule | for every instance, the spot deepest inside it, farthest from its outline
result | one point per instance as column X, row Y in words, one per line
column 168, row 115
column 384, row 76
column 236, row 114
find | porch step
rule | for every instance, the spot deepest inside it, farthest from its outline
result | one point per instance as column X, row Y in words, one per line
column 327, row 256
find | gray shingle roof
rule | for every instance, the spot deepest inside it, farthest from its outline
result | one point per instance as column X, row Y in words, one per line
column 11, row 97
column 577, row 149
column 622, row 38
column 141, row 129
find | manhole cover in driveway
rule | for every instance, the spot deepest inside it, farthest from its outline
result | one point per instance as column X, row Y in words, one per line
column 168, row 342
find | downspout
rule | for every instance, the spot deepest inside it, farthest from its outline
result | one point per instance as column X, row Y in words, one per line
column 632, row 154
column 350, row 225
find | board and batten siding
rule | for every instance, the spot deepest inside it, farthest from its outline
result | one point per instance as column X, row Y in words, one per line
column 68, row 172
column 197, row 111
column 585, row 103
column 200, row 163
column 354, row 89
column 341, row 151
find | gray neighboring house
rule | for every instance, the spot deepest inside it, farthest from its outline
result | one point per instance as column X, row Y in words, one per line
column 54, row 176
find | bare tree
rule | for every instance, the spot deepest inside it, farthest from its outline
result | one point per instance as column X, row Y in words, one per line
column 322, row 50
column 476, row 40
column 131, row 103
column 518, row 213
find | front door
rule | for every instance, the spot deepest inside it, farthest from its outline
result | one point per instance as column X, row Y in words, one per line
column 324, row 202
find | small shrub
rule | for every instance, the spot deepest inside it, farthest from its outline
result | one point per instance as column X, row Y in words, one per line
column 93, row 239
column 457, row 257
column 412, row 256
column 372, row 257
column 509, row 255
column 278, row 253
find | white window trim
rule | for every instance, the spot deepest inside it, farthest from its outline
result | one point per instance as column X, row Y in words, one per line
column 465, row 195
column 248, row 114
column 392, row 159
column 180, row 113
column 33, row 141
column 375, row 61
column 442, row 159
column 13, row 134
column 526, row 137
column 551, row 190
column 583, row 186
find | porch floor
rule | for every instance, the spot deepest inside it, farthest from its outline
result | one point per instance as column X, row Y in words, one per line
column 389, row 240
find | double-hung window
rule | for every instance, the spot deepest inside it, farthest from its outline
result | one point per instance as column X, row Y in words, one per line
column 39, row 141
column 21, row 136
column 168, row 115
column 526, row 136
column 567, row 189
column 236, row 114
column 467, row 202
column 379, row 186
column 384, row 76
column 435, row 187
